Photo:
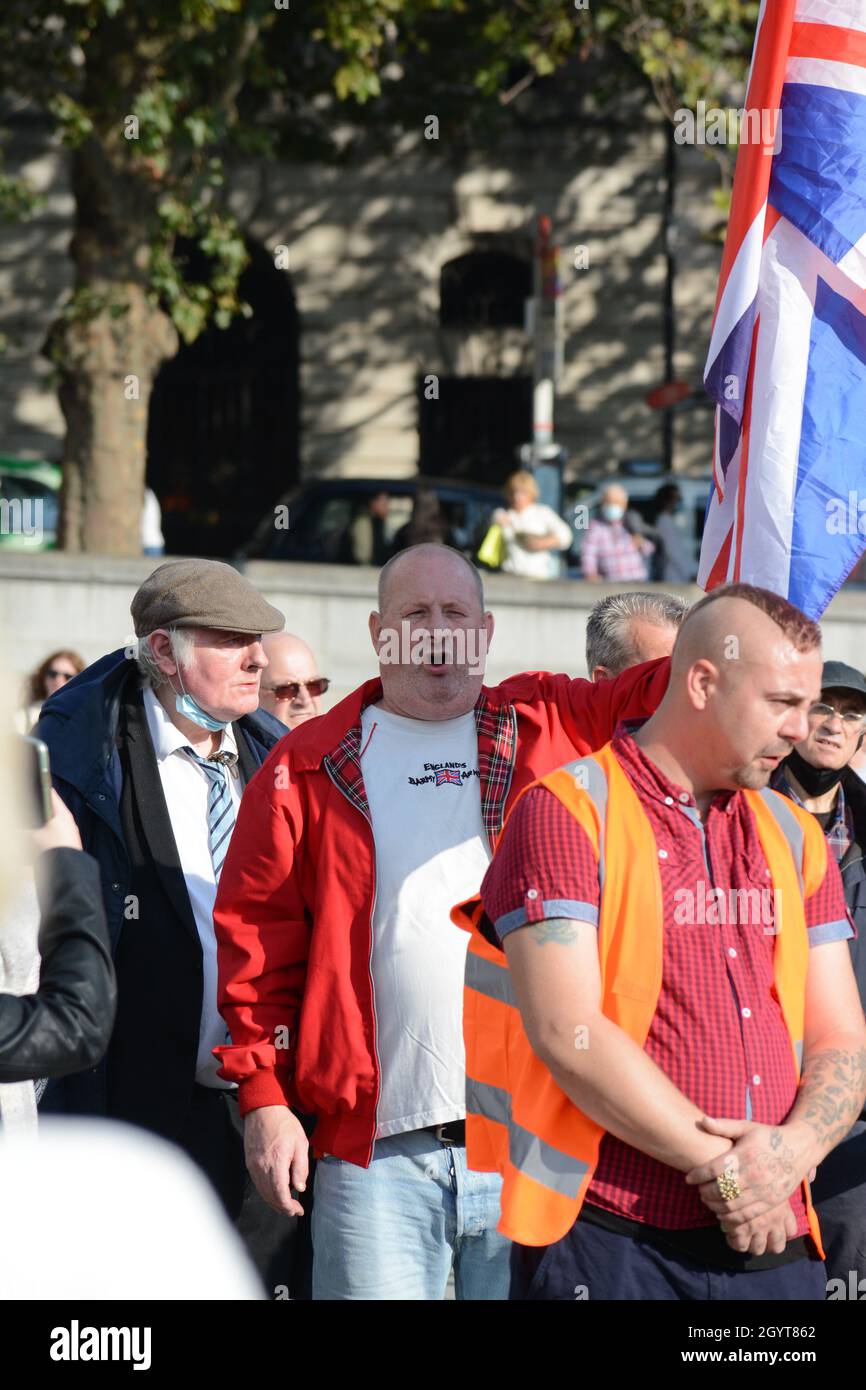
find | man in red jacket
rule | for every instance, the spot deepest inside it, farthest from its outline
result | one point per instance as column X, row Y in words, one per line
column 341, row 973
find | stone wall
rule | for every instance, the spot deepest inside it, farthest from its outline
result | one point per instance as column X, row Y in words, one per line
column 83, row 602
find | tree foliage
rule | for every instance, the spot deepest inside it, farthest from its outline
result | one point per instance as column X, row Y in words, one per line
column 161, row 96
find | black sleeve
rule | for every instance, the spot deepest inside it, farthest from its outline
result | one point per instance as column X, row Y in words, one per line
column 65, row 1027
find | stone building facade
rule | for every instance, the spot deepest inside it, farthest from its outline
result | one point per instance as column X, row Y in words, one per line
column 367, row 250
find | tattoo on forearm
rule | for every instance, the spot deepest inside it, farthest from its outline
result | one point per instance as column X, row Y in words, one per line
column 561, row 929
column 775, row 1138
column 832, row 1091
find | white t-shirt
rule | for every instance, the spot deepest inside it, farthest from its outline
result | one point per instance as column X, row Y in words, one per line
column 424, row 793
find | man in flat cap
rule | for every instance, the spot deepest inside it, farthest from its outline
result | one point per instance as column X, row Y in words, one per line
column 151, row 748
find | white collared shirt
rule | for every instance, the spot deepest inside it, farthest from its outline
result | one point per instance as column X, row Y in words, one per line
column 185, row 786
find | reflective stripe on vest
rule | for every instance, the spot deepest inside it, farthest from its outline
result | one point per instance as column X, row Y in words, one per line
column 589, row 777
column 519, row 1121
column 789, row 826
column 531, row 1155
column 490, row 978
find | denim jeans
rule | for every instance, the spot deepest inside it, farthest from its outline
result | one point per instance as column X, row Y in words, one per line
column 393, row 1230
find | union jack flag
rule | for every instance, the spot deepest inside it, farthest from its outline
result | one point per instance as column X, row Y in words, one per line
column 787, row 358
column 447, row 774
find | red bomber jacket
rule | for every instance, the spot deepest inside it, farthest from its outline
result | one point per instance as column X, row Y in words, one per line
column 295, row 903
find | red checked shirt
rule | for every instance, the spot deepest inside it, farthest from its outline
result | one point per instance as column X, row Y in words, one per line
column 718, row 1031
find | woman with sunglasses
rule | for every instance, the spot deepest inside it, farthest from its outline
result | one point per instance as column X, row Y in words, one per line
column 52, row 674
column 291, row 687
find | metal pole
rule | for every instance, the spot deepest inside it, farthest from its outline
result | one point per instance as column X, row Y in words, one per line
column 670, row 272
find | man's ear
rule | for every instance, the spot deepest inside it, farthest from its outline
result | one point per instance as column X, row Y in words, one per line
column 600, row 673
column 374, row 623
column 161, row 651
column 702, row 678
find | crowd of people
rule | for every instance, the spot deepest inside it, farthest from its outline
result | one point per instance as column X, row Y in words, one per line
column 552, row 985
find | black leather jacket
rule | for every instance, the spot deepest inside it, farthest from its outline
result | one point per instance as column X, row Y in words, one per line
column 67, row 1024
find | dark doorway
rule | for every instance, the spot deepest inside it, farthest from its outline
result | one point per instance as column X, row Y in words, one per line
column 475, row 427
column 223, row 426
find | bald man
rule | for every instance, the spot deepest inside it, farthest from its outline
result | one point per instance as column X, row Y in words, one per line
column 291, row 687
column 341, row 970
column 697, row 967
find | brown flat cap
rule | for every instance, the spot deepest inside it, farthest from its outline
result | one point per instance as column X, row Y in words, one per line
column 201, row 593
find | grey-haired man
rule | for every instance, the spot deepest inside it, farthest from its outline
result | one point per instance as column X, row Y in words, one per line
column 151, row 748
column 623, row 630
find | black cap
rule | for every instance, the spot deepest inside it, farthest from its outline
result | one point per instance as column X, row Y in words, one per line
column 837, row 676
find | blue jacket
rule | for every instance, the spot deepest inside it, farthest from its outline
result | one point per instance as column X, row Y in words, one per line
column 79, row 724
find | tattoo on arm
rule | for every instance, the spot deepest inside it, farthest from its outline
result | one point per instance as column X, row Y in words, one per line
column 831, row 1093
column 561, row 929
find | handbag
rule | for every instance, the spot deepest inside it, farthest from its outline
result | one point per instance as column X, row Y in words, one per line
column 491, row 552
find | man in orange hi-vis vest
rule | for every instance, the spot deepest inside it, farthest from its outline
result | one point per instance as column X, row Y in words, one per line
column 663, row 1031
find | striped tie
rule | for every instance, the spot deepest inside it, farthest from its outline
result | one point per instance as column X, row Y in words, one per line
column 220, row 809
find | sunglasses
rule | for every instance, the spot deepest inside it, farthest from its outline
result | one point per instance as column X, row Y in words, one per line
column 291, row 689
column 53, row 674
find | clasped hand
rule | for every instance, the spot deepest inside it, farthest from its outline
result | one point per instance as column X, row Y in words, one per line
column 769, row 1163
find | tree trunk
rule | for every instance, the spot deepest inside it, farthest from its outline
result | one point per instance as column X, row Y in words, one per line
column 107, row 348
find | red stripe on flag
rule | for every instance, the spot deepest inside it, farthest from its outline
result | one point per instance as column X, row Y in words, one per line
column 744, row 450
column 773, row 216
column 829, row 41
column 717, row 463
column 752, row 176
column 719, row 573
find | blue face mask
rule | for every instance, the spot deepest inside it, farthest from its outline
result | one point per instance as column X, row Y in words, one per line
column 187, row 706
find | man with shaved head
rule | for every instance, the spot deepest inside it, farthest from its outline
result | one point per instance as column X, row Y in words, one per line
column 291, row 687
column 682, row 1040
column 341, row 972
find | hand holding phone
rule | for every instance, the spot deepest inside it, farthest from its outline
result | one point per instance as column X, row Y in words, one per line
column 59, row 831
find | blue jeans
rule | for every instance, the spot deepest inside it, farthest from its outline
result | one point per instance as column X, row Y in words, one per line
column 393, row 1230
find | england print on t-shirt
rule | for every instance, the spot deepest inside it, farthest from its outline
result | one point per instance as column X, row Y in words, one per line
column 424, row 793
column 443, row 774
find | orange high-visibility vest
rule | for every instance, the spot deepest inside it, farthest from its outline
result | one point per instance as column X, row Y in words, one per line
column 518, row 1120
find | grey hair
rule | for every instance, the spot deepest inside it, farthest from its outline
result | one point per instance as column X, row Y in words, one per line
column 182, row 646
column 608, row 636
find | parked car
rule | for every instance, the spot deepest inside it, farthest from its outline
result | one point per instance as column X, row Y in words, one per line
column 582, row 504
column 321, row 513
column 29, row 504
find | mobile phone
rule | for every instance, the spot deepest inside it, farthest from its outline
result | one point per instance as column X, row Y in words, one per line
column 38, row 781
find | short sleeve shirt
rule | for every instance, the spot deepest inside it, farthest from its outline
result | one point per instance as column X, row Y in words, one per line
column 718, row 1031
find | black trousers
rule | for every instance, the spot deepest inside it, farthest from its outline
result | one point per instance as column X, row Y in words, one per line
column 590, row 1262
column 279, row 1245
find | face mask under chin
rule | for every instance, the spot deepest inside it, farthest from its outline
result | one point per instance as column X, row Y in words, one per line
column 815, row 781
column 191, row 710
